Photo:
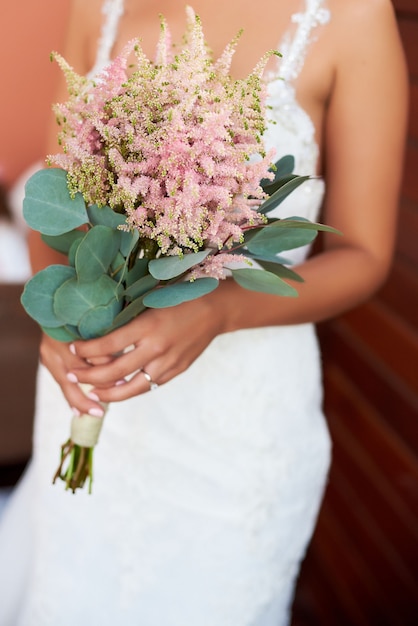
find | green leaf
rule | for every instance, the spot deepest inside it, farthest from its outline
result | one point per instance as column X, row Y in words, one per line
column 63, row 333
column 169, row 267
column 105, row 216
column 95, row 322
column 62, row 243
column 73, row 299
column 38, row 295
column 283, row 167
column 141, row 286
column 139, row 270
column 285, row 189
column 280, row 270
column 73, row 249
column 118, row 268
column 302, row 222
column 128, row 241
column 128, row 313
column 179, row 292
column 260, row 280
column 270, row 258
column 275, row 238
column 96, row 252
column 48, row 206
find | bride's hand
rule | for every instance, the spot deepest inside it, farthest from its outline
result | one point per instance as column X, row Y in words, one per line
column 153, row 348
column 60, row 361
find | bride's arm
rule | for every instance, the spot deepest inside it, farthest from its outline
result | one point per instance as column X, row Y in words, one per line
column 364, row 136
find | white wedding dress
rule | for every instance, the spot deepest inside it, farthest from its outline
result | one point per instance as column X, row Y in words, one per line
column 206, row 490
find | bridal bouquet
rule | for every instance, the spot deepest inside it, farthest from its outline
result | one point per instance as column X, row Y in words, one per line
column 162, row 189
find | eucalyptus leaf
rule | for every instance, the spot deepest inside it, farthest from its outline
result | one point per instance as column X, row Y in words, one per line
column 96, row 253
column 270, row 258
column 105, row 216
column 302, row 222
column 39, row 292
column 73, row 299
column 266, row 282
column 128, row 313
column 282, row 167
column 48, row 206
column 62, row 243
column 73, row 249
column 280, row 270
column 95, row 322
column 281, row 193
column 63, row 333
column 128, row 241
column 273, row 240
column 139, row 270
column 277, row 183
column 169, row 267
column 118, row 268
column 172, row 295
column 141, row 286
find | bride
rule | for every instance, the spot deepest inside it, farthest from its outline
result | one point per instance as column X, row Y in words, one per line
column 207, row 490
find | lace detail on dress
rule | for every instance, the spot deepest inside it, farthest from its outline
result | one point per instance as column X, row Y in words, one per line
column 294, row 50
column 112, row 10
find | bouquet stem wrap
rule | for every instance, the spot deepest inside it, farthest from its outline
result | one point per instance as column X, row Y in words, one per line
column 76, row 465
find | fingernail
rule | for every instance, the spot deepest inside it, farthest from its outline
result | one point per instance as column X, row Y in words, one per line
column 96, row 412
column 72, row 348
column 72, row 377
column 93, row 396
column 118, row 383
column 75, row 411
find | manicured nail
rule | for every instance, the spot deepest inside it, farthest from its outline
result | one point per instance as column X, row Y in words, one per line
column 75, row 411
column 72, row 348
column 72, row 377
column 118, row 383
column 93, row 396
column 96, row 412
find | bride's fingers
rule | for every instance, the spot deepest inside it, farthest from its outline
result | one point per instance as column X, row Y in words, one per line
column 56, row 357
column 137, row 383
column 116, row 343
column 114, row 371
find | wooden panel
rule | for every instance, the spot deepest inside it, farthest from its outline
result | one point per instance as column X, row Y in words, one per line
column 413, row 107
column 391, row 397
column 407, row 245
column 410, row 186
column 19, row 339
column 389, row 338
column 408, row 6
column 400, row 293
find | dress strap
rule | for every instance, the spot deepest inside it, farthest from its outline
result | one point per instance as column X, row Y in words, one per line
column 112, row 11
column 294, row 49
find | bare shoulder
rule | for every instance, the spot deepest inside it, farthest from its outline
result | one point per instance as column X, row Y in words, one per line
column 353, row 20
column 365, row 33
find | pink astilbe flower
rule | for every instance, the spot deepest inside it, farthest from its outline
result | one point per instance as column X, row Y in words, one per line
column 176, row 146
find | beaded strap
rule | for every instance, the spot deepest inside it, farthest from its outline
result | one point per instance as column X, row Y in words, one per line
column 294, row 50
column 112, row 11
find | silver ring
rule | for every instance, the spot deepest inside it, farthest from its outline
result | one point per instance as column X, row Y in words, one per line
column 152, row 384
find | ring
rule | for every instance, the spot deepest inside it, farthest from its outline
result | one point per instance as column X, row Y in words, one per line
column 152, row 384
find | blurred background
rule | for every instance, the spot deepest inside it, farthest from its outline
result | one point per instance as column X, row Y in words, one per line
column 362, row 566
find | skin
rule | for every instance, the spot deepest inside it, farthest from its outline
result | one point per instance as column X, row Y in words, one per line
column 355, row 90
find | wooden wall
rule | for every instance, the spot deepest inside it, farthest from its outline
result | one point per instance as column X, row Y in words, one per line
column 362, row 567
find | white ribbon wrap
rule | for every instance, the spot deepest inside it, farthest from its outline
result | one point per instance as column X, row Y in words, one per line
column 85, row 429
